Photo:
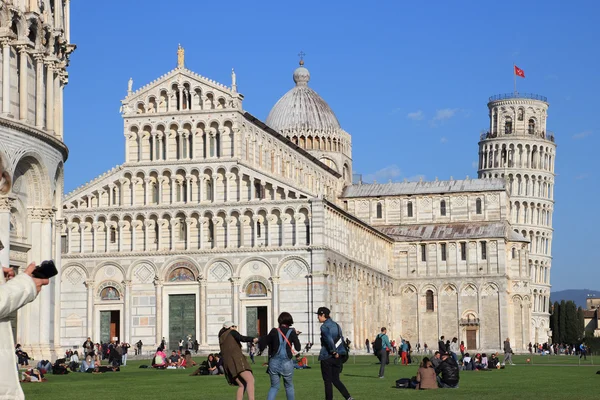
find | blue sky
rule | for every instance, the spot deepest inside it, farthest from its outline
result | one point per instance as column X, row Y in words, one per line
column 408, row 80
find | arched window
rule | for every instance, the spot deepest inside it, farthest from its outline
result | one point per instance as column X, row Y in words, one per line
column 182, row 230
column 258, row 229
column 429, row 300
column 478, row 206
column 508, row 125
column 114, row 196
column 379, row 210
column 531, row 126
column 209, row 190
column 409, row 209
column 211, row 230
column 113, row 234
column 443, row 208
column 483, row 250
column 520, row 114
column 514, row 253
column 156, row 232
column 155, row 193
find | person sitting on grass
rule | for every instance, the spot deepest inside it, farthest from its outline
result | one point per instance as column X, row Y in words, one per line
column 426, row 377
column 484, row 361
column 436, row 360
column 173, row 360
column 44, row 366
column 189, row 362
column 160, row 359
column 213, row 365
column 219, row 361
column 114, row 358
column 494, row 362
column 467, row 363
column 447, row 372
column 74, row 362
column 301, row 362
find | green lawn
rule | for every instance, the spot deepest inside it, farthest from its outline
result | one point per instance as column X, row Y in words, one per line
column 360, row 376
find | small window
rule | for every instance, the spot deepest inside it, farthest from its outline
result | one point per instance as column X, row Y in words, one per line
column 114, row 194
column 113, row 235
column 155, row 193
column 483, row 250
column 258, row 191
column 508, row 127
column 307, row 234
column 182, row 230
column 531, row 126
column 478, row 206
column 514, row 253
column 64, row 244
column 429, row 300
column 443, row 208
column 423, row 253
column 258, row 229
column 443, row 251
column 379, row 211
column 211, row 230
column 409, row 209
column 463, row 251
column 520, row 115
column 209, row 191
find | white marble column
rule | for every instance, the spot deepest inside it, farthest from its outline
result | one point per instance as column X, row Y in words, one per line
column 49, row 97
column 203, row 326
column 68, row 20
column 23, row 75
column 159, row 334
column 47, row 294
column 39, row 91
column 127, row 311
column 89, row 284
column 5, row 77
column 5, row 206
column 275, row 282
column 235, row 285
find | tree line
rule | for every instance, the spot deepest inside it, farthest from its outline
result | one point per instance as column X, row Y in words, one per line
column 567, row 323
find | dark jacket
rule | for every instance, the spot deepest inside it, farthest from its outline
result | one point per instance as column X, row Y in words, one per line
column 330, row 334
column 272, row 341
column 441, row 346
column 507, row 348
column 448, row 369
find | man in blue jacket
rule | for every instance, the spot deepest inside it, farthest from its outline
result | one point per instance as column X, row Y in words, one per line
column 331, row 350
column 384, row 352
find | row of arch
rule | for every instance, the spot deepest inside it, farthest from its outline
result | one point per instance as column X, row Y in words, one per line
column 182, row 96
column 211, row 140
column 199, row 271
column 187, row 186
column 530, row 213
column 323, row 143
column 510, row 155
column 205, row 230
column 517, row 120
column 540, row 243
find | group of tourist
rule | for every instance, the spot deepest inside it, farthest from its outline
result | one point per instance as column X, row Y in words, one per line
column 580, row 350
column 283, row 344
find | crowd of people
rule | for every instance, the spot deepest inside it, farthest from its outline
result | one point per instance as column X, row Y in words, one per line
column 580, row 350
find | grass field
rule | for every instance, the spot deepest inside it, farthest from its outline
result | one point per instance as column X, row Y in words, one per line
column 522, row 381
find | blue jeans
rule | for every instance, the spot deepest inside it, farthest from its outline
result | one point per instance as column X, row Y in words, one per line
column 443, row 385
column 278, row 368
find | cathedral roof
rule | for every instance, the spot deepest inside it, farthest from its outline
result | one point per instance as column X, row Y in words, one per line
column 452, row 231
column 432, row 187
column 302, row 109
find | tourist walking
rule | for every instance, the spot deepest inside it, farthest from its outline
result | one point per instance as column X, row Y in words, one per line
column 368, row 346
column 124, row 349
column 507, row 352
column 404, row 350
column 583, row 351
column 281, row 342
column 384, row 352
column 237, row 369
column 331, row 363
column 15, row 292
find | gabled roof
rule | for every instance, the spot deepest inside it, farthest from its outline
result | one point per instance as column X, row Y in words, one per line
column 432, row 187
column 178, row 71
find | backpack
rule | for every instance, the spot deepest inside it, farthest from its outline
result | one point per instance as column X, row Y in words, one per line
column 403, row 383
column 343, row 348
column 377, row 344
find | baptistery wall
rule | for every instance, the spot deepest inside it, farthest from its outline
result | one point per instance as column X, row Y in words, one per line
column 34, row 36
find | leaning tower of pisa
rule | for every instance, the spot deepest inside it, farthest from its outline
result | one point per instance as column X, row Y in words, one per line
column 519, row 148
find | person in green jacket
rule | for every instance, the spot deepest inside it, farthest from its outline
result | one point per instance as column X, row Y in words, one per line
column 386, row 347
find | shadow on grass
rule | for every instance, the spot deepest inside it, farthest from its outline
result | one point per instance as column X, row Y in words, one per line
column 362, row 376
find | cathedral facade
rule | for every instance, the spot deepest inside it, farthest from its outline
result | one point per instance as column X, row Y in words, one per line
column 215, row 215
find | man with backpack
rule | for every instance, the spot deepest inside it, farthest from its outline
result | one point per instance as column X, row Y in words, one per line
column 384, row 349
column 332, row 353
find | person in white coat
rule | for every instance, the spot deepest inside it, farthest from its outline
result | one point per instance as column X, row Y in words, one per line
column 15, row 292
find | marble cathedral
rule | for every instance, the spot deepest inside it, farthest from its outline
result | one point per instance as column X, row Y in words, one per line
column 216, row 215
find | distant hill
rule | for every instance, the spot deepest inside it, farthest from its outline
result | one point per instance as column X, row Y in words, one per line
column 577, row 295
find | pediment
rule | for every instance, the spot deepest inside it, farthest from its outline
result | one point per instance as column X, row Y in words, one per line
column 154, row 97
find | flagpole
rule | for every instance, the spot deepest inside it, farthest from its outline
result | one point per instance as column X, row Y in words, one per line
column 515, row 77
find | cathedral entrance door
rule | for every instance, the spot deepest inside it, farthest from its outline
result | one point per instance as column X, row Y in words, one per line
column 256, row 321
column 182, row 319
column 110, row 325
column 472, row 339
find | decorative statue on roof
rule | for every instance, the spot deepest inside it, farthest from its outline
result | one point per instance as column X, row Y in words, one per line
column 180, row 57
column 130, row 85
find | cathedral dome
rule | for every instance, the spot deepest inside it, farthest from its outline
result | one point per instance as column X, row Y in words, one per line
column 302, row 109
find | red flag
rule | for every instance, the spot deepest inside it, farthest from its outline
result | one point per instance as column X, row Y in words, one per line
column 519, row 72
